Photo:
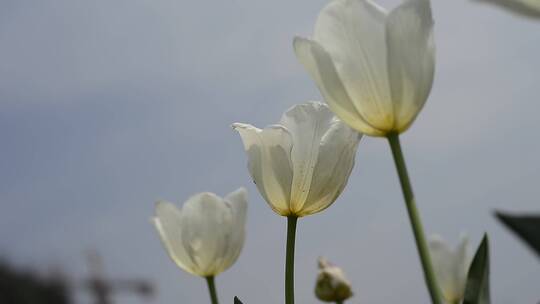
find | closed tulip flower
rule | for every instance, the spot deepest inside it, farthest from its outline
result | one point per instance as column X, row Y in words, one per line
column 302, row 164
column 451, row 267
column 204, row 237
column 374, row 68
column 331, row 284
column 528, row 8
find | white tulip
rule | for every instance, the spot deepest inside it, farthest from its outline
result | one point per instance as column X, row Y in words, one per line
column 331, row 284
column 302, row 164
column 373, row 68
column 528, row 8
column 451, row 267
column 206, row 235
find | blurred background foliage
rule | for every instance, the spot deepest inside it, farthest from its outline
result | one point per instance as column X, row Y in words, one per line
column 20, row 286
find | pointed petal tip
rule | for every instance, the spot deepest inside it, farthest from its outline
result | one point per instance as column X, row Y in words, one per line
column 436, row 241
column 162, row 203
column 240, row 191
column 238, row 198
column 299, row 39
column 303, row 46
column 322, row 262
column 421, row 8
column 237, row 126
column 205, row 195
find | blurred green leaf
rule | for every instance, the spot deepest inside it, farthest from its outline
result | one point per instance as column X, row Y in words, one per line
column 526, row 226
column 477, row 288
column 237, row 301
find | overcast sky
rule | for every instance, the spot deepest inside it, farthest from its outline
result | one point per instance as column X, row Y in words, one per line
column 109, row 105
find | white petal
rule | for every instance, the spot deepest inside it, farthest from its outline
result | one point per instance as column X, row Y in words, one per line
column 334, row 164
column 463, row 262
column 167, row 222
column 353, row 34
column 319, row 65
column 269, row 162
column 307, row 124
column 411, row 59
column 528, row 8
column 238, row 202
column 206, row 231
column 447, row 269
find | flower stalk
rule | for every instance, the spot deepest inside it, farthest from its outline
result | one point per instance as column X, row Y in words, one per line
column 289, row 259
column 414, row 217
column 212, row 289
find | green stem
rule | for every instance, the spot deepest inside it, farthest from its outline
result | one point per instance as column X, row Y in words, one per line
column 212, row 289
column 339, row 302
column 414, row 217
column 289, row 260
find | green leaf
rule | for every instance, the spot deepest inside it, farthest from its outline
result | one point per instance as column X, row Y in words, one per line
column 526, row 226
column 477, row 288
column 237, row 301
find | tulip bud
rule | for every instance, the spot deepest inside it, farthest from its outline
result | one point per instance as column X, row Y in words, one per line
column 332, row 285
column 451, row 266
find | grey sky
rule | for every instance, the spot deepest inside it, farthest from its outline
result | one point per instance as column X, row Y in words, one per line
column 107, row 106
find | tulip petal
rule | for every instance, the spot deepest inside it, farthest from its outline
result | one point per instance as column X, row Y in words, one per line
column 206, row 231
column 333, row 167
column 442, row 258
column 462, row 263
column 352, row 32
column 448, row 268
column 238, row 202
column 319, row 65
column 167, row 222
column 269, row 163
column 411, row 59
column 307, row 124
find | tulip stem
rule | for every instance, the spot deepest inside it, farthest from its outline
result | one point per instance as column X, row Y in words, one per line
column 212, row 289
column 289, row 259
column 414, row 217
